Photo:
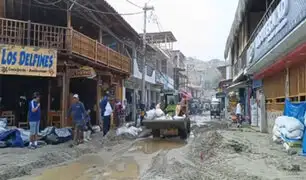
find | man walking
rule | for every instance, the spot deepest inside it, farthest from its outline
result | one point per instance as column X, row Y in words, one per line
column 34, row 119
column 239, row 113
column 106, row 112
column 78, row 112
column 102, row 104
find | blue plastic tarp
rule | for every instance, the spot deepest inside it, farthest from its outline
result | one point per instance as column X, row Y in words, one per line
column 296, row 110
column 12, row 138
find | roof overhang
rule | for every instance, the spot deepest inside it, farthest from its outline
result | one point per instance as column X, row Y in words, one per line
column 161, row 37
column 238, row 85
column 291, row 50
column 239, row 17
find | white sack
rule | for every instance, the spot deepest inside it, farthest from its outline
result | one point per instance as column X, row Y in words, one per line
column 289, row 123
column 159, row 112
column 276, row 131
column 178, row 117
column 150, row 114
column 131, row 130
column 296, row 134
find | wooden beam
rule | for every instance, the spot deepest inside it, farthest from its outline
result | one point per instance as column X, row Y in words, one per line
column 49, row 101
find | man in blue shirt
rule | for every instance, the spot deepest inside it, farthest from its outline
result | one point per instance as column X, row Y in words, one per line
column 78, row 112
column 102, row 104
column 34, row 119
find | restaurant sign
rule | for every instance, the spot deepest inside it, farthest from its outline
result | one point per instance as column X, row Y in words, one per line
column 27, row 61
column 83, row 72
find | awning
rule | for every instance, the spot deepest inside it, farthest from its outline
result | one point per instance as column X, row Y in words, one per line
column 238, row 85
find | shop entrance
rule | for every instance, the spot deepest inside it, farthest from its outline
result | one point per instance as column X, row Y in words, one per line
column 87, row 91
column 16, row 93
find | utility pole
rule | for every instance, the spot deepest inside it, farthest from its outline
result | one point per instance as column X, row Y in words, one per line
column 144, row 39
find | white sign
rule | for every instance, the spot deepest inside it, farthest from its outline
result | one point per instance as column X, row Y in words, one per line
column 275, row 23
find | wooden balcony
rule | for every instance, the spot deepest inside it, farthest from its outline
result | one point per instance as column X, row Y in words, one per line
column 26, row 33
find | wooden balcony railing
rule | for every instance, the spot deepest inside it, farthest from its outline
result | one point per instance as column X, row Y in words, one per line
column 26, row 33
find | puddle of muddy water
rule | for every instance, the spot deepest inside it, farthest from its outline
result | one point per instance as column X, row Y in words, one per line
column 122, row 170
column 91, row 167
column 96, row 167
column 150, row 146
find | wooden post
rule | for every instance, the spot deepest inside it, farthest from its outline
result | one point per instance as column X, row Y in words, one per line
column 99, row 95
column 68, row 18
column 100, row 36
column 65, row 97
column 3, row 10
column 264, row 121
column 287, row 84
column 49, row 101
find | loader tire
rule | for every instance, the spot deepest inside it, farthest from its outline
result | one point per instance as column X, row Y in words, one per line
column 188, row 126
column 183, row 134
column 156, row 133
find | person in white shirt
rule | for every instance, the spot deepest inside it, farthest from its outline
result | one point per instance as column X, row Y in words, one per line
column 238, row 113
column 107, row 118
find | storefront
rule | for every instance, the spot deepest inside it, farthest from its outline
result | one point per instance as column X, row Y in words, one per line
column 277, row 55
column 23, row 71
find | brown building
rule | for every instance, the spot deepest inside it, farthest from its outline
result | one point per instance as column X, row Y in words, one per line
column 59, row 49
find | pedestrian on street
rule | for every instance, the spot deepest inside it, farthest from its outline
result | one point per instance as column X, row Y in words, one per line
column 238, row 114
column 88, row 127
column 78, row 112
column 102, row 105
column 34, row 119
column 119, row 113
column 108, row 110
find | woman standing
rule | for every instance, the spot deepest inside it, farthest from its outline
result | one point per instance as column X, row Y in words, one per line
column 119, row 113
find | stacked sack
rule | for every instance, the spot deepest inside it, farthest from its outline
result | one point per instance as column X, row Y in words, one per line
column 154, row 113
column 289, row 129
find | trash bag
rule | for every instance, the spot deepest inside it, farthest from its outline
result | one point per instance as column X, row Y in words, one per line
column 3, row 122
column 62, row 132
column 3, row 144
column 56, row 136
column 52, row 139
column 12, row 138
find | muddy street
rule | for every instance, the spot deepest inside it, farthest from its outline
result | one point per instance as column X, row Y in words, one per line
column 213, row 151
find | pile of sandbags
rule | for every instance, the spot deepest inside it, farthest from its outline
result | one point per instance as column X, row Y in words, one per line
column 288, row 129
column 154, row 113
column 128, row 130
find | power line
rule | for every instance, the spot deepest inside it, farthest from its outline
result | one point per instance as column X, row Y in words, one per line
column 97, row 11
column 47, row 3
column 134, row 4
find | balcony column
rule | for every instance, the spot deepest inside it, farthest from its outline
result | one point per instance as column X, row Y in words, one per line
column 135, row 90
column 100, row 36
column 98, row 98
column 68, row 18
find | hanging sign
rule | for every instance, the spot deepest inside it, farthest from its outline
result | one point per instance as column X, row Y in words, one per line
column 83, row 72
column 27, row 61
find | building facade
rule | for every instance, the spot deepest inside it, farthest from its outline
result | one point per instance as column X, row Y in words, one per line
column 56, row 52
column 270, row 51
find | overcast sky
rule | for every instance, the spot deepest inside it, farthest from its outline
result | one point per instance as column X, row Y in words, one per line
column 200, row 26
